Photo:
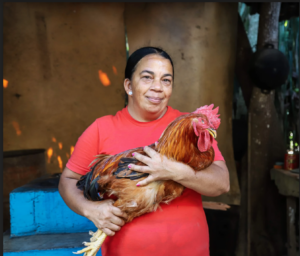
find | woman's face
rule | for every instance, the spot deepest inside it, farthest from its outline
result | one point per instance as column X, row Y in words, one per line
column 151, row 84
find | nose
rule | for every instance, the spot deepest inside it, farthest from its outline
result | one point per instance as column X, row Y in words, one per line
column 156, row 85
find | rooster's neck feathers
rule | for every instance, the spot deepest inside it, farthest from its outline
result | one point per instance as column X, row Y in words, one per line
column 179, row 139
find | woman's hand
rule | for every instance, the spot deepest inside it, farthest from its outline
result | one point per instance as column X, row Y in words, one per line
column 159, row 167
column 107, row 217
column 212, row 181
column 103, row 214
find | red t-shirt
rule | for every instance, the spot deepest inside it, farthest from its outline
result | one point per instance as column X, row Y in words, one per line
column 179, row 228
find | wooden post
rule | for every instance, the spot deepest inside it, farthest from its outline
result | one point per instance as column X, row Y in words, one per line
column 264, row 215
column 241, row 249
column 243, row 57
column 291, row 204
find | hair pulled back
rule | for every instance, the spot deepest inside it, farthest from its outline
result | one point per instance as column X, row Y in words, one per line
column 141, row 53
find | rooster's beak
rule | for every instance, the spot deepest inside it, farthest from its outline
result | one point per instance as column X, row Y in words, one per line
column 212, row 132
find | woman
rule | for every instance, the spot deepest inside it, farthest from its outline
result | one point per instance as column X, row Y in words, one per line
column 179, row 228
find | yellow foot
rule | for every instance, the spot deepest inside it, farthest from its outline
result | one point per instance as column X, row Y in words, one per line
column 94, row 245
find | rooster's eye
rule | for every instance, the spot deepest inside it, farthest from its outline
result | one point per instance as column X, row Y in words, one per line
column 202, row 121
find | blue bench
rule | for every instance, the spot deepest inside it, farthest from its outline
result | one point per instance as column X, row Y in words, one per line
column 39, row 209
column 44, row 245
column 42, row 224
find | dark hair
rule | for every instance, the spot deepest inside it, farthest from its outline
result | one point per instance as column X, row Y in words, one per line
column 141, row 53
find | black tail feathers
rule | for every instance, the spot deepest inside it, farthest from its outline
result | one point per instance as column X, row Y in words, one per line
column 88, row 186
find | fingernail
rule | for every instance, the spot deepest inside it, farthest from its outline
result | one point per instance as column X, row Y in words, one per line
column 133, row 154
column 138, row 185
column 129, row 166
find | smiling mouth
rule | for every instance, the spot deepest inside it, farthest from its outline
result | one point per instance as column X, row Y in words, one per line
column 155, row 100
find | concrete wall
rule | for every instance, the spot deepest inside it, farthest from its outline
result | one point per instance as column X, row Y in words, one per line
column 201, row 39
column 52, row 54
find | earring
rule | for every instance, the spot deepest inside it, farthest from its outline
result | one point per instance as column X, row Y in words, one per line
column 130, row 93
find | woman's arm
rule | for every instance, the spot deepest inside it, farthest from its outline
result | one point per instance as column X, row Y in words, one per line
column 103, row 214
column 212, row 181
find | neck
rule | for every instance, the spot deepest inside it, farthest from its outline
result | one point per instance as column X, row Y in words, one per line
column 144, row 116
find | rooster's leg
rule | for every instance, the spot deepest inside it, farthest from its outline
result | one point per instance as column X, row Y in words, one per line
column 94, row 245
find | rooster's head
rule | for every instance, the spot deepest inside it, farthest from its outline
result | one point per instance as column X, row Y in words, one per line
column 205, row 127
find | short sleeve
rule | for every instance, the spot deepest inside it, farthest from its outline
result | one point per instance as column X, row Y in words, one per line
column 85, row 150
column 218, row 155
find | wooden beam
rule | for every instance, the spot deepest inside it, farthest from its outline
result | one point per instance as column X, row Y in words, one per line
column 265, row 209
column 242, row 243
column 291, row 204
column 243, row 57
column 215, row 206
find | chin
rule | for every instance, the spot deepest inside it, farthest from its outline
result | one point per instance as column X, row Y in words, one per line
column 156, row 108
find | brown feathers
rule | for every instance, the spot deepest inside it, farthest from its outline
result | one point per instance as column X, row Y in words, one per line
column 178, row 142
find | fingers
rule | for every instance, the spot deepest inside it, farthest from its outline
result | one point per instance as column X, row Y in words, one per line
column 115, row 215
column 139, row 168
column 110, row 201
column 111, row 229
column 150, row 152
column 154, row 165
column 144, row 159
column 108, row 218
column 116, row 211
column 146, row 181
column 108, row 232
column 117, row 221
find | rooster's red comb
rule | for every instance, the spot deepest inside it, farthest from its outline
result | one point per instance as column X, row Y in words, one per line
column 211, row 114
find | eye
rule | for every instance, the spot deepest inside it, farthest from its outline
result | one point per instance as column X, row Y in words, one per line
column 147, row 77
column 167, row 81
column 202, row 121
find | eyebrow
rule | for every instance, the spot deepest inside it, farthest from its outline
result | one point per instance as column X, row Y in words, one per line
column 152, row 73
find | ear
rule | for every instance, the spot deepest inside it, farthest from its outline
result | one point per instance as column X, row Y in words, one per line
column 127, row 85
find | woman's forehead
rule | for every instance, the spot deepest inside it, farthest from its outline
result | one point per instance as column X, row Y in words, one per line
column 154, row 61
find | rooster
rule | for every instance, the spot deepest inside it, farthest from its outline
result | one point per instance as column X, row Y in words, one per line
column 188, row 139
